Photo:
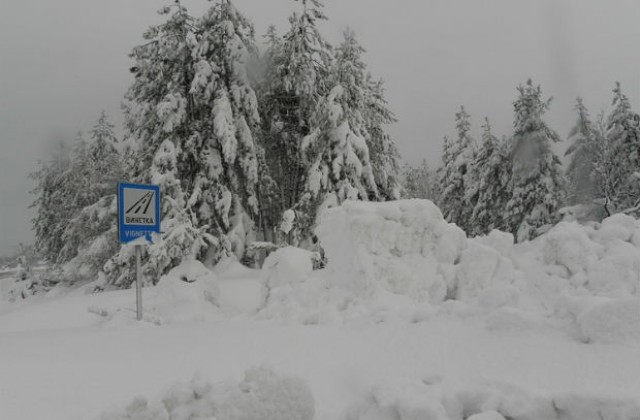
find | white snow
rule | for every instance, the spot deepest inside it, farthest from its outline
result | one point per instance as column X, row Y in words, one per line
column 410, row 320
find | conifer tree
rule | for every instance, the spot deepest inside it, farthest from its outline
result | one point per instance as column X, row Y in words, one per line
column 537, row 183
column 224, row 190
column 419, row 182
column 51, row 196
column 623, row 138
column 295, row 82
column 457, row 162
column 584, row 180
column 492, row 170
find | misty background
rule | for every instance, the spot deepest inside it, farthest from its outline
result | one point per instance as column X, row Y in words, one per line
column 63, row 62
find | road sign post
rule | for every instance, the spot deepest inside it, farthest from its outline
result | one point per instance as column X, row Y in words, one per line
column 138, row 283
column 138, row 217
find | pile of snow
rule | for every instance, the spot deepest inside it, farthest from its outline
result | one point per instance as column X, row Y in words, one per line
column 189, row 292
column 403, row 247
column 486, row 401
column 262, row 395
column 388, row 259
column 292, row 291
column 402, row 259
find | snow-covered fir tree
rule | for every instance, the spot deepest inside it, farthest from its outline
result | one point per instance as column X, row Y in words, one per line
column 623, row 138
column 161, row 118
column 223, row 193
column 584, row 180
column 76, row 200
column 349, row 122
column 419, row 182
column 537, row 183
column 457, row 159
column 194, row 115
column 50, row 202
column 295, row 82
column 383, row 153
column 492, row 173
column 95, row 172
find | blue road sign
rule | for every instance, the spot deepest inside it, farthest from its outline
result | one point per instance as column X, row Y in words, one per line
column 138, row 211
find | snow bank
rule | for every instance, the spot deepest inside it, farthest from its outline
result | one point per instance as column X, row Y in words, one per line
column 292, row 291
column 402, row 259
column 189, row 292
column 485, row 401
column 484, row 273
column 262, row 395
column 403, row 247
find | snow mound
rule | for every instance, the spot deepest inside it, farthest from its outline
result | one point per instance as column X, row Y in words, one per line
column 485, row 401
column 189, row 292
column 403, row 247
column 484, row 275
column 401, row 258
column 400, row 402
column 568, row 245
column 286, row 266
column 292, row 291
column 262, row 395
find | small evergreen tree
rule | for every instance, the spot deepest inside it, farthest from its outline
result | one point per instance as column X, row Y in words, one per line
column 296, row 81
column 585, row 182
column 419, row 182
column 537, row 182
column 492, row 170
column 457, row 162
column 51, row 195
column 623, row 142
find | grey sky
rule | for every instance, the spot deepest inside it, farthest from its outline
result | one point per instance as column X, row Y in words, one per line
column 62, row 62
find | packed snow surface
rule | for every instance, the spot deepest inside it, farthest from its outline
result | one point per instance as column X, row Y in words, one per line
column 409, row 320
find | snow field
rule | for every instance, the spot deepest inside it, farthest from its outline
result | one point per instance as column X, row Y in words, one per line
column 409, row 320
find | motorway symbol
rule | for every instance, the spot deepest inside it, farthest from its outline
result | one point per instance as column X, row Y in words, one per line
column 138, row 211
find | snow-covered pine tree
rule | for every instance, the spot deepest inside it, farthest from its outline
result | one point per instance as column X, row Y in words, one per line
column 604, row 165
column 296, row 80
column 338, row 149
column 457, row 160
column 90, row 235
column 161, row 118
column 537, row 183
column 492, row 170
column 584, row 181
column 418, row 182
column 159, row 105
column 224, row 190
column 383, row 152
column 50, row 203
column 623, row 138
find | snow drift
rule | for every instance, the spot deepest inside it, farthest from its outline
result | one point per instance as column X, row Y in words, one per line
column 402, row 259
column 262, row 395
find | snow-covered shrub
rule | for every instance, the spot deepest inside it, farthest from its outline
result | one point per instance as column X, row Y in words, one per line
column 287, row 266
column 262, row 395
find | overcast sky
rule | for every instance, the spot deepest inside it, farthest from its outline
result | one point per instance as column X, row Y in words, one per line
column 63, row 61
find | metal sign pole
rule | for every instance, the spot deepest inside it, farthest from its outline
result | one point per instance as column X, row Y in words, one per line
column 138, row 283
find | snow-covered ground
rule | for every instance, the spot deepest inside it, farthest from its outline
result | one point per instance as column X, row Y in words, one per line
column 410, row 320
